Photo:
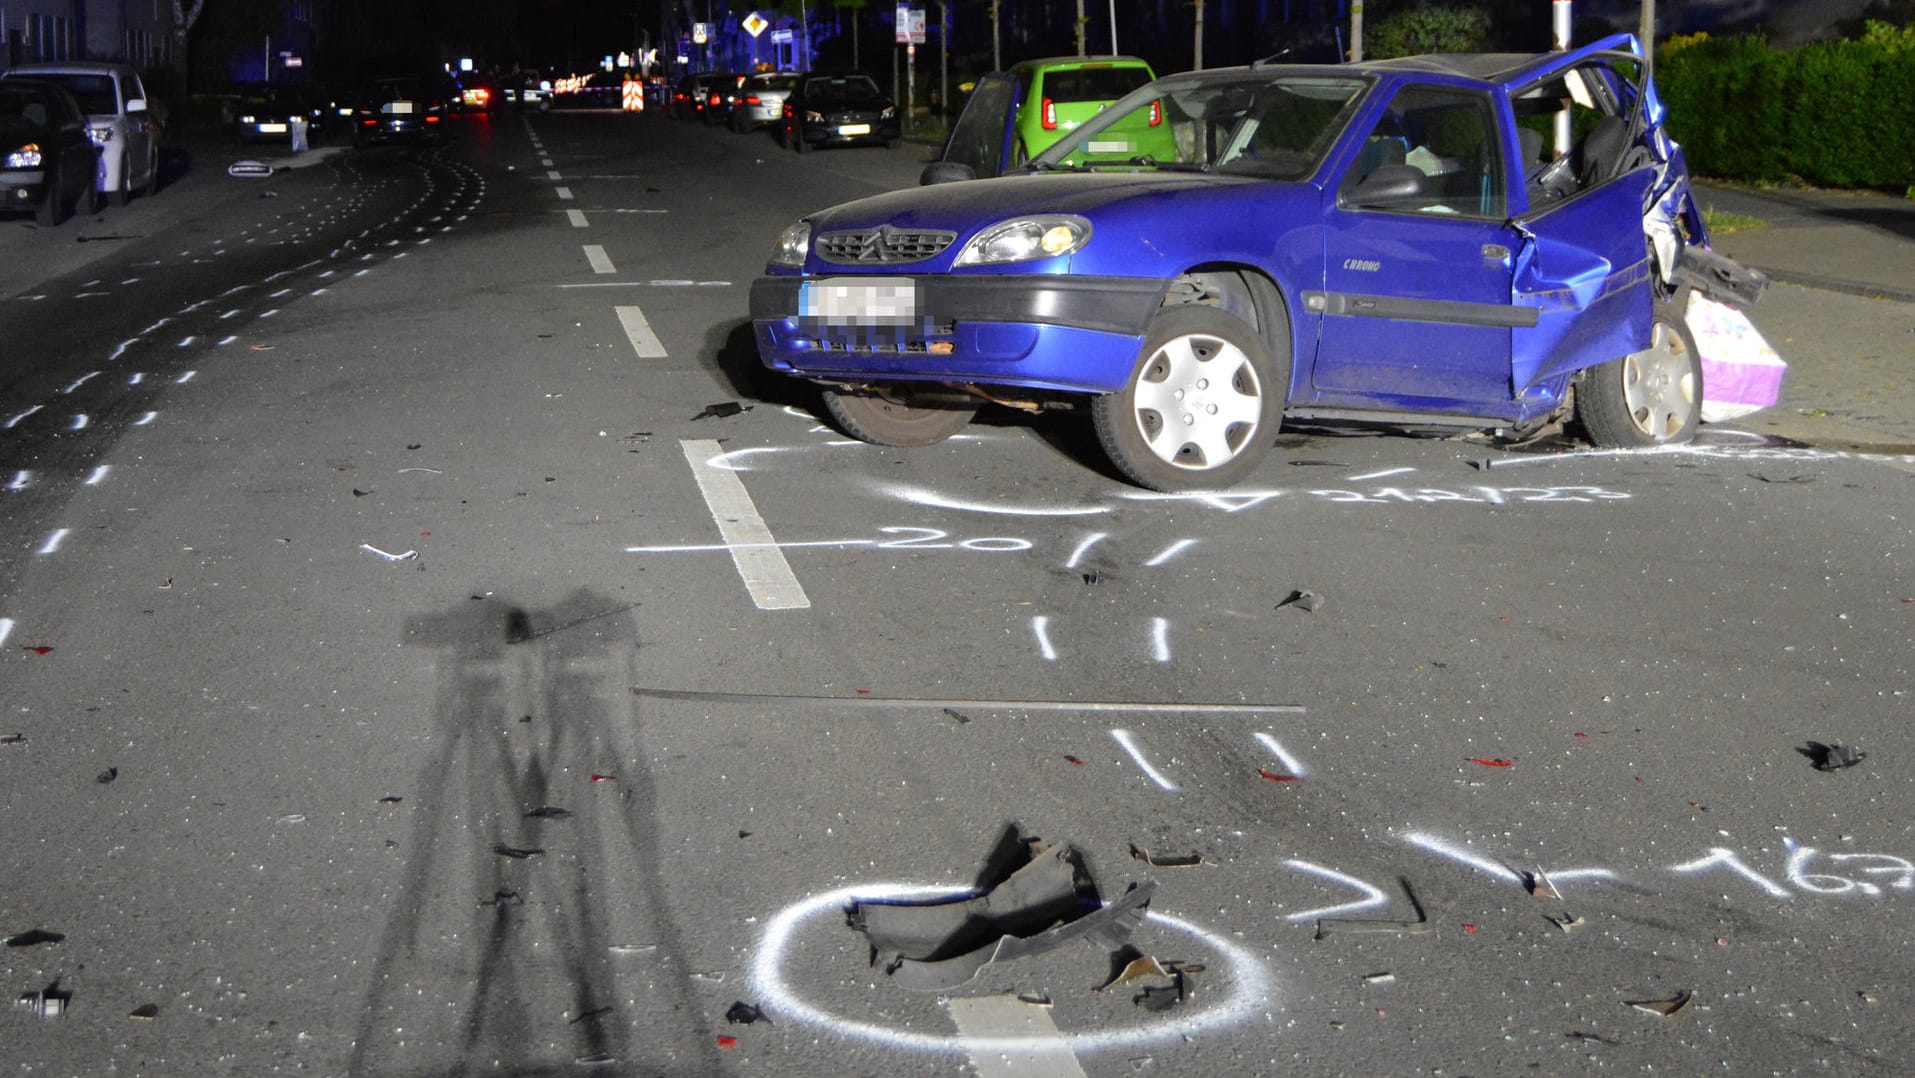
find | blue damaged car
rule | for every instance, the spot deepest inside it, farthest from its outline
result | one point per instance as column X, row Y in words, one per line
column 1470, row 242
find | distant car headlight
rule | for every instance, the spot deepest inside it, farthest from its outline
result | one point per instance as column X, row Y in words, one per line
column 1026, row 238
column 814, row 117
column 27, row 156
column 246, row 119
column 793, row 242
column 100, row 135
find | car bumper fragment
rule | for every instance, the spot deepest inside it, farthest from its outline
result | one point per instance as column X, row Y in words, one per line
column 1078, row 334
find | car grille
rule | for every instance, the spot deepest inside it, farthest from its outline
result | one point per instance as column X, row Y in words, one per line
column 884, row 244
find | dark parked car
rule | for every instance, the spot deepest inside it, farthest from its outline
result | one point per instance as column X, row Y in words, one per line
column 399, row 110
column 693, row 95
column 1374, row 243
column 49, row 161
column 838, row 109
column 266, row 112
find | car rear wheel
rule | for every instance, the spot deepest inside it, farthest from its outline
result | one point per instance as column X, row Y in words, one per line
column 1651, row 397
column 798, row 140
column 893, row 419
column 124, row 193
column 1202, row 406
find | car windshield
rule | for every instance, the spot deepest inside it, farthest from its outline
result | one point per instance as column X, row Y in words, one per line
column 840, row 88
column 94, row 92
column 25, row 105
column 1275, row 126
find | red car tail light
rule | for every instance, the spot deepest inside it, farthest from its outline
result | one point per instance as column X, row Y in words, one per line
column 1156, row 113
column 1049, row 115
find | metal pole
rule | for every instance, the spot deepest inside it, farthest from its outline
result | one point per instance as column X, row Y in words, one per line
column 1646, row 33
column 1113, row 27
column 1356, row 31
column 804, row 37
column 944, row 58
column 997, row 57
column 1559, row 27
column 1080, row 27
column 1198, row 48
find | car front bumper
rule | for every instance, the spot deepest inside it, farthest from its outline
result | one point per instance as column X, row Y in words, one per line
column 22, row 189
column 1075, row 334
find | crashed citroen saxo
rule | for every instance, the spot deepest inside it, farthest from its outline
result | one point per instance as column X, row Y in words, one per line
column 1488, row 242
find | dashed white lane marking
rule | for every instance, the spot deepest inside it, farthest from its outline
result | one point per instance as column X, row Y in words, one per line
column 1129, row 742
column 553, row 175
column 1033, row 1053
column 601, row 262
column 762, row 566
column 6, row 629
column 639, row 332
column 577, row 218
column 1160, row 639
column 564, row 193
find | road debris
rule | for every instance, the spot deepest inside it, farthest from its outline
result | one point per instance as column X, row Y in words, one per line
column 1418, row 926
column 13, row 739
column 1488, row 761
column 48, row 1002
column 604, row 778
column 1073, row 760
column 1138, row 969
column 36, row 649
column 1379, row 978
column 1035, row 999
column 1039, row 908
column 107, row 776
column 1278, row 776
column 1182, row 860
column 727, row 1042
column 357, row 493
column 953, row 713
column 742, row 1013
column 504, row 900
column 34, row 937
column 1539, row 885
column 145, row 1012
column 1568, row 922
column 1306, row 601
column 388, row 555
column 592, row 1015
column 632, row 948
column 723, row 410
column 517, row 854
column 1665, row 1008
column 548, row 812
column 1832, row 757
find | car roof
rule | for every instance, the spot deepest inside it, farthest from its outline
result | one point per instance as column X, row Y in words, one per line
column 72, row 67
column 1080, row 61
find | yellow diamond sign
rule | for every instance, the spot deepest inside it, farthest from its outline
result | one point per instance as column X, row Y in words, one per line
column 754, row 24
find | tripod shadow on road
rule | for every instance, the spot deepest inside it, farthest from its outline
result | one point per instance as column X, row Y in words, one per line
column 530, row 883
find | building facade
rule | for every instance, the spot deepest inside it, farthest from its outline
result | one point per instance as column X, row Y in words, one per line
column 138, row 32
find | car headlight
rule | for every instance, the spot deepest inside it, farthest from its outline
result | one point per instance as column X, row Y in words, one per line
column 27, row 156
column 814, row 117
column 1026, row 238
column 889, row 113
column 793, row 242
column 100, row 135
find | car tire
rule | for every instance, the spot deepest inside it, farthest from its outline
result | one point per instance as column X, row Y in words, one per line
column 893, row 420
column 152, row 184
column 798, row 140
column 51, row 210
column 1201, row 407
column 1651, row 397
column 124, row 194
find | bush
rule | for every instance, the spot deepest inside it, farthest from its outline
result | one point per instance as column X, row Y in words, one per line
column 1835, row 113
column 1427, row 28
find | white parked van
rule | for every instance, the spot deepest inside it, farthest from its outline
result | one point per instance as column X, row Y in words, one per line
column 118, row 119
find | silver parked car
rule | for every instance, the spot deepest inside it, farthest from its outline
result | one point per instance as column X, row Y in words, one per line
column 118, row 120
column 761, row 100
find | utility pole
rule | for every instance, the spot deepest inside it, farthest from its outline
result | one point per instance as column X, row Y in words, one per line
column 1113, row 27
column 1646, row 33
column 1080, row 27
column 944, row 58
column 1198, row 48
column 997, row 56
column 1356, row 31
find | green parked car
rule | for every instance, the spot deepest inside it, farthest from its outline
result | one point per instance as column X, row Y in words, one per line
column 1057, row 94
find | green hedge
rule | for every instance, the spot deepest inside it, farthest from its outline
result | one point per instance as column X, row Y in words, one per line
column 1836, row 114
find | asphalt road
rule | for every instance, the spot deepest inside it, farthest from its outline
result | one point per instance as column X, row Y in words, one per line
column 408, row 671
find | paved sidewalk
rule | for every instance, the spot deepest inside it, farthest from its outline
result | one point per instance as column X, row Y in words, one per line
column 1862, row 243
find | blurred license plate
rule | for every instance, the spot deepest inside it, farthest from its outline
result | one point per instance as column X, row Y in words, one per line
column 860, row 301
column 272, row 129
column 400, row 108
column 1107, row 146
column 854, row 129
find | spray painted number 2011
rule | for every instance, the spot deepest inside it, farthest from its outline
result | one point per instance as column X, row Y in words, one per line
column 931, row 539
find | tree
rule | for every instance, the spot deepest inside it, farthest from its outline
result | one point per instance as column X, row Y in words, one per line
column 183, row 19
column 1427, row 28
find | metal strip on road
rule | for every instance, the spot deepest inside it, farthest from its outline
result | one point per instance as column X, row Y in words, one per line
column 639, row 332
column 601, row 262
column 762, row 699
column 762, row 566
column 994, row 1018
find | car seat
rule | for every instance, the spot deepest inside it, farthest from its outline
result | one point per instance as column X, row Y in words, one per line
column 1601, row 150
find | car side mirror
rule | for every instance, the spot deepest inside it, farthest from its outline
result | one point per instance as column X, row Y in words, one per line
column 945, row 172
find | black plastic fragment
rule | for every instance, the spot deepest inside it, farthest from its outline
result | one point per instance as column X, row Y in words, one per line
column 34, row 936
column 1832, row 757
column 548, row 812
column 722, row 410
column 107, row 776
column 742, row 1013
column 517, row 854
column 1306, row 601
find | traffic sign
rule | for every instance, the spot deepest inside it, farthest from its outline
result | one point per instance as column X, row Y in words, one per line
column 754, row 24
column 910, row 25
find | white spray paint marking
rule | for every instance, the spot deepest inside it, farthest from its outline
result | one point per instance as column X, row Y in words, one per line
column 15, row 421
column 1728, row 859
column 79, row 422
column 599, row 260
column 98, row 475
column 639, row 332
column 226, row 340
column 1170, row 552
column 1129, row 742
column 762, row 566
column 564, row 193
column 933, row 499
column 1084, row 547
column 234, row 313
column 145, row 419
column 577, row 217
column 269, row 314
column 53, row 541
column 1041, row 628
column 6, row 629
column 121, row 350
column 22, row 479
column 281, row 292
column 1247, row 979
column 136, row 378
column 1160, row 639
column 1381, row 474
column 1044, row 1053
column 1373, row 897
column 1291, row 765
column 730, row 460
column 1480, row 864
column 185, row 377
column 1235, row 502
column 186, row 342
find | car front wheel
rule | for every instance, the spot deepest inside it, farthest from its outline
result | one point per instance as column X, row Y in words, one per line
column 1651, row 397
column 52, row 206
column 893, row 419
column 1202, row 406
